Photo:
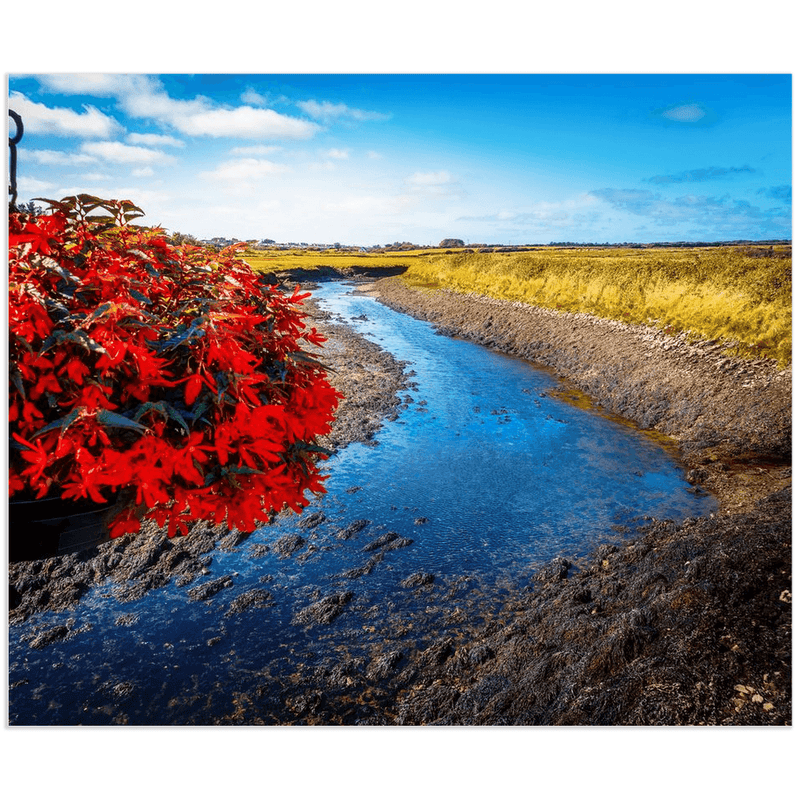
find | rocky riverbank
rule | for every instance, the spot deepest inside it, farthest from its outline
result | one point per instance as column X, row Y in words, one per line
column 689, row 624
column 729, row 417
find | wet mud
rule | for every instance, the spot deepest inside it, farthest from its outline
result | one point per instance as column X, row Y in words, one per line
column 678, row 624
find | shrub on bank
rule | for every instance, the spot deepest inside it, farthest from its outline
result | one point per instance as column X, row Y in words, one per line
column 168, row 373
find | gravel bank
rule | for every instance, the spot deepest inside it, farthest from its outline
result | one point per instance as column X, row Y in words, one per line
column 690, row 391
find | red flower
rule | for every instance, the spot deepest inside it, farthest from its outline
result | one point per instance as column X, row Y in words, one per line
column 193, row 386
column 175, row 372
column 75, row 370
column 36, row 455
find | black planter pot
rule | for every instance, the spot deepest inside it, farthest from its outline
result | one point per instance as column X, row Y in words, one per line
column 52, row 526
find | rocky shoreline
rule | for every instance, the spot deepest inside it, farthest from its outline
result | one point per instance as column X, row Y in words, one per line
column 686, row 624
column 691, row 391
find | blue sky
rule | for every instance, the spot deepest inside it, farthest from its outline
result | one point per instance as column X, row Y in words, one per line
column 372, row 159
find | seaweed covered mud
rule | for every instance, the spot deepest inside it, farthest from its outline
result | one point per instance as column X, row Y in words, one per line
column 689, row 624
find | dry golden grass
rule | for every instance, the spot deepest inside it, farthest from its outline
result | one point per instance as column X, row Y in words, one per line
column 277, row 260
column 737, row 295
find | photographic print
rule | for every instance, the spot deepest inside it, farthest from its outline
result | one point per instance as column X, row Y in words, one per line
column 399, row 399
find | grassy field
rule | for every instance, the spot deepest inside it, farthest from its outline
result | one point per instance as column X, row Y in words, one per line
column 737, row 295
column 277, row 260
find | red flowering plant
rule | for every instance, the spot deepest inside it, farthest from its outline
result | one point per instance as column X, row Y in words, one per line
column 175, row 375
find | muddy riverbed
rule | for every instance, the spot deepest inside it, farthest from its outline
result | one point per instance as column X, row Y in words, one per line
column 690, row 624
column 681, row 624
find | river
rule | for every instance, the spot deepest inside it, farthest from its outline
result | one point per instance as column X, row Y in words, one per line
column 481, row 479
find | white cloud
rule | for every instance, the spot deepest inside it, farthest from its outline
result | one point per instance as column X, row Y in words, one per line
column 154, row 140
column 244, row 122
column 373, row 154
column 714, row 217
column 328, row 112
column 336, row 153
column 143, row 172
column 38, row 118
column 686, row 113
column 440, row 182
column 59, row 158
column 539, row 221
column 251, row 97
column 144, row 97
column 201, row 117
column 256, row 150
column 245, row 169
column 120, row 153
column 427, row 179
column 98, row 84
column 28, row 186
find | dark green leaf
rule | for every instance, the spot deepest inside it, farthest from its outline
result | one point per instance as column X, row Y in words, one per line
column 165, row 410
column 16, row 377
column 64, row 422
column 65, row 274
column 315, row 448
column 66, row 208
column 99, row 311
column 57, row 310
column 192, row 332
column 89, row 202
column 242, row 470
column 176, row 417
column 79, row 337
column 111, row 420
column 200, row 408
column 299, row 355
column 140, row 297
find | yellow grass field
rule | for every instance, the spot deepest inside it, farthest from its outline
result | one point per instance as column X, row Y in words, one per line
column 277, row 260
column 739, row 295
